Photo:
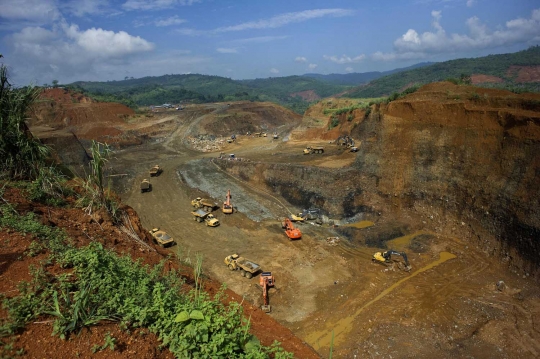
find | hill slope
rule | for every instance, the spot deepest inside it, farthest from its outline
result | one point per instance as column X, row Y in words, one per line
column 506, row 68
column 358, row 78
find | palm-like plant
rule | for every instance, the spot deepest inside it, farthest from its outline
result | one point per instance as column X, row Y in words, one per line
column 21, row 155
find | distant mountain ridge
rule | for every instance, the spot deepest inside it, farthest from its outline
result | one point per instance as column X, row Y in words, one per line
column 359, row 78
column 503, row 71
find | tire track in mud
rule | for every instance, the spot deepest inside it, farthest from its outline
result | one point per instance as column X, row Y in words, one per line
column 335, row 332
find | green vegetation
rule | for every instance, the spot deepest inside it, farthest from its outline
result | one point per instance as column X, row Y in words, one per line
column 494, row 65
column 20, row 155
column 202, row 88
column 91, row 284
column 95, row 195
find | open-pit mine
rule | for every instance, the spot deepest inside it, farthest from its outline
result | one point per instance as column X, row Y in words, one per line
column 448, row 176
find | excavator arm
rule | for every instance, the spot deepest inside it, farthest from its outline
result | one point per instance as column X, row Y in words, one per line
column 388, row 254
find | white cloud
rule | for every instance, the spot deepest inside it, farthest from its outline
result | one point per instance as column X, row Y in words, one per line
column 274, row 71
column 312, row 66
column 84, row 7
column 258, row 40
column 190, row 32
column 349, row 70
column 37, row 11
column 227, row 50
column 470, row 3
column 344, row 59
column 285, row 19
column 107, row 43
column 300, row 59
column 41, row 54
column 174, row 20
column 413, row 45
column 155, row 4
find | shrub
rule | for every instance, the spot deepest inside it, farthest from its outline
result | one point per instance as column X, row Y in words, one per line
column 333, row 123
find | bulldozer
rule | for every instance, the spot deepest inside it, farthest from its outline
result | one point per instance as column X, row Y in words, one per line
column 227, row 206
column 386, row 258
column 266, row 281
column 290, row 230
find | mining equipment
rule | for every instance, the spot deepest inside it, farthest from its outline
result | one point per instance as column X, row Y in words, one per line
column 266, row 281
column 290, row 230
column 200, row 216
column 146, row 186
column 386, row 257
column 313, row 149
column 155, row 171
column 204, row 203
column 161, row 238
column 246, row 267
column 275, row 136
column 227, row 206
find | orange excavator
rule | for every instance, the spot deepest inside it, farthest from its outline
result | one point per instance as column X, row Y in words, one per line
column 267, row 281
column 290, row 230
column 227, row 206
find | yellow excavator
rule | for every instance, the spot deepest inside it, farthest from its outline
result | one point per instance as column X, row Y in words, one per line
column 386, row 258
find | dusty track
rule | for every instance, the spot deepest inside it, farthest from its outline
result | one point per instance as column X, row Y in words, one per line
column 451, row 307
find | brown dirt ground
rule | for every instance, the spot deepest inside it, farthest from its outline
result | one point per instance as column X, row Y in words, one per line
column 36, row 340
column 479, row 79
column 524, row 73
column 448, row 304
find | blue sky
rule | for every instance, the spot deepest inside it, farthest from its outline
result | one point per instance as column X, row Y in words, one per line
column 99, row 40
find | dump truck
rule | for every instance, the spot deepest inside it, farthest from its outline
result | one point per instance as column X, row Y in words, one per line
column 161, row 238
column 313, row 149
column 204, row 203
column 200, row 216
column 146, row 186
column 246, row 267
column 155, row 171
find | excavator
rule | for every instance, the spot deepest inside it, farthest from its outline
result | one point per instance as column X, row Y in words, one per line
column 227, row 206
column 266, row 282
column 385, row 257
column 290, row 230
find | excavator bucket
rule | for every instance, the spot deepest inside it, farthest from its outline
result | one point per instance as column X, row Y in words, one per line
column 266, row 308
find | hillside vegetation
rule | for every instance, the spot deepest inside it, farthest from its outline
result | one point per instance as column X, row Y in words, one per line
column 203, row 88
column 494, row 65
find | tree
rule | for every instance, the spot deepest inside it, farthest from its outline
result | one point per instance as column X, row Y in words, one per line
column 55, row 83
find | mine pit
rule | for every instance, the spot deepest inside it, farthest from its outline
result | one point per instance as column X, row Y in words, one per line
column 459, row 200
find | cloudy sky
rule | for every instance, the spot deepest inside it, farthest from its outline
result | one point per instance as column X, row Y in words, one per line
column 70, row 40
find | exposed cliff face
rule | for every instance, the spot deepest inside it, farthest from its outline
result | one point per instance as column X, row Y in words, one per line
column 462, row 154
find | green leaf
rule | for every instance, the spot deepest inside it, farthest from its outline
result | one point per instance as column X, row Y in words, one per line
column 181, row 317
column 196, row 314
column 253, row 344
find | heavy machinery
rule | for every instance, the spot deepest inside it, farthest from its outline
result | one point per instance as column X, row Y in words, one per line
column 307, row 214
column 275, row 136
column 200, row 215
column 386, row 257
column 313, row 149
column 227, row 206
column 266, row 281
column 146, row 186
column 345, row 140
column 246, row 267
column 290, row 230
column 161, row 238
column 204, row 203
column 155, row 171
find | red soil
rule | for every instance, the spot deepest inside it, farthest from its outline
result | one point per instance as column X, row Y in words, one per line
column 524, row 73
column 36, row 340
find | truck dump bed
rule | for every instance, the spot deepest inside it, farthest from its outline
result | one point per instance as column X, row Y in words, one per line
column 248, row 265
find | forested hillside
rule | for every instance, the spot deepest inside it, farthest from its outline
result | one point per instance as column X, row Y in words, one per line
column 203, row 88
column 499, row 66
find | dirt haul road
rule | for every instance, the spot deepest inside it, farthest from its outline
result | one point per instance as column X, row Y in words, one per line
column 449, row 303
